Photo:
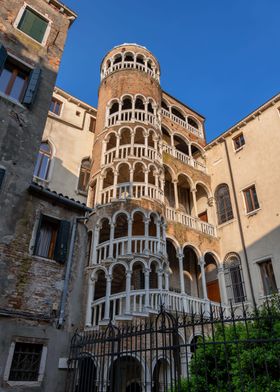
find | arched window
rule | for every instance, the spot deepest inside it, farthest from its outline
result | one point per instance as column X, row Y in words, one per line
column 224, row 208
column 43, row 161
column 192, row 122
column 234, row 279
column 84, row 175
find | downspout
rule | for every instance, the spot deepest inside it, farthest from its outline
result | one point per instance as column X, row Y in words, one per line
column 239, row 224
column 68, row 271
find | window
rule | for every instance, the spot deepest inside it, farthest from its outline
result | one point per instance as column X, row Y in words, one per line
column 2, row 175
column 52, row 238
column 55, row 106
column 43, row 162
column 251, row 199
column 33, row 24
column 92, row 123
column 234, row 279
column 26, row 362
column 224, row 208
column 84, row 175
column 238, row 141
column 17, row 81
column 268, row 278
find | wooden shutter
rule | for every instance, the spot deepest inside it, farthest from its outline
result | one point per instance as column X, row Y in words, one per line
column 32, row 87
column 2, row 175
column 3, row 57
column 61, row 246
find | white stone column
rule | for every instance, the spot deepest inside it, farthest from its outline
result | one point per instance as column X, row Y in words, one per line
column 159, row 275
column 222, row 284
column 164, row 226
column 194, row 202
column 120, row 111
column 146, row 222
column 107, row 298
column 190, row 150
column 127, row 291
column 131, row 173
column 95, row 239
column 129, row 234
column 112, row 231
column 158, row 235
column 175, row 184
column 117, row 146
column 203, row 277
column 103, row 151
column 99, row 187
column 133, row 110
column 147, row 288
column 181, row 272
column 116, row 173
column 132, row 143
column 90, row 297
column 146, row 179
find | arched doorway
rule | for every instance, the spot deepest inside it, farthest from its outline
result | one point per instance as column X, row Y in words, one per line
column 87, row 374
column 126, row 375
column 211, row 276
column 161, row 376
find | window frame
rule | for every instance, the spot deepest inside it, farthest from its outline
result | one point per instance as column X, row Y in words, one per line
column 42, row 365
column 251, row 212
column 233, row 261
column 259, row 262
column 61, row 107
column 236, row 149
column 32, row 9
column 220, row 186
column 48, row 175
column 84, row 171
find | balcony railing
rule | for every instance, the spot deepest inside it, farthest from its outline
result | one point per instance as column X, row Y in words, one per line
column 183, row 157
column 126, row 246
column 190, row 221
column 132, row 115
column 129, row 190
column 173, row 302
column 184, row 124
column 125, row 151
column 130, row 65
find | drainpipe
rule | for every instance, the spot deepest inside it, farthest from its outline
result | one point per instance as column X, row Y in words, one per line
column 240, row 225
column 68, row 270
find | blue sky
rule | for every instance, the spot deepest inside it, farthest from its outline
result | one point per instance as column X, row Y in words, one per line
column 220, row 57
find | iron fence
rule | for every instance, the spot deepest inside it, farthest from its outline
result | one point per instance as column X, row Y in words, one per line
column 169, row 353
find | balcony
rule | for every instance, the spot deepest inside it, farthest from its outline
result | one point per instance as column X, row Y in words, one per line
column 197, row 132
column 132, row 115
column 135, row 151
column 142, row 303
column 190, row 221
column 184, row 157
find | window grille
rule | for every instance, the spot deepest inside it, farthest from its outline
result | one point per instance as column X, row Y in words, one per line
column 26, row 362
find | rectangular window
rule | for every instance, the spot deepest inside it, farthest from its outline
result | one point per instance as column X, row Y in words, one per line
column 268, row 278
column 14, row 79
column 238, row 141
column 92, row 123
column 2, row 175
column 56, row 106
column 52, row 238
column 251, row 199
column 26, row 362
column 33, row 24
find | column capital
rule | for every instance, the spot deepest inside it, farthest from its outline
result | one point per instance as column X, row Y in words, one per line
column 147, row 271
column 211, row 201
column 194, row 190
column 108, row 278
column 201, row 261
column 128, row 273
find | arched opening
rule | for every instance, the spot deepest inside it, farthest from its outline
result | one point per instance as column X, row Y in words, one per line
column 153, row 275
column 164, row 105
column 126, row 375
column 223, row 202
column 118, row 279
column 181, row 145
column 108, row 64
column 100, row 286
column 211, row 276
column 87, row 374
column 174, row 277
column 138, row 225
column 139, row 136
column 139, row 104
column 149, row 64
column 129, row 57
column 124, row 173
column 192, row 273
column 151, row 137
column 117, row 59
column 112, row 141
column 114, row 108
column 150, row 107
column 166, row 136
column 161, row 376
column 139, row 172
column 168, row 189
column 202, row 203
column 234, row 279
column 138, row 276
column 192, row 122
column 104, row 231
column 152, row 175
column 140, row 59
column 196, row 152
column 153, row 226
column 121, row 226
column 184, row 194
column 127, row 103
column 178, row 113
column 125, row 136
column 84, row 175
column 109, row 178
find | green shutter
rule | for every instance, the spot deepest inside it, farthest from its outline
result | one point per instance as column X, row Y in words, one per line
column 3, row 57
column 33, row 25
column 61, row 245
column 2, row 175
column 32, row 88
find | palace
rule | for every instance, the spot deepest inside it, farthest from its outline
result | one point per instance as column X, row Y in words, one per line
column 108, row 213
